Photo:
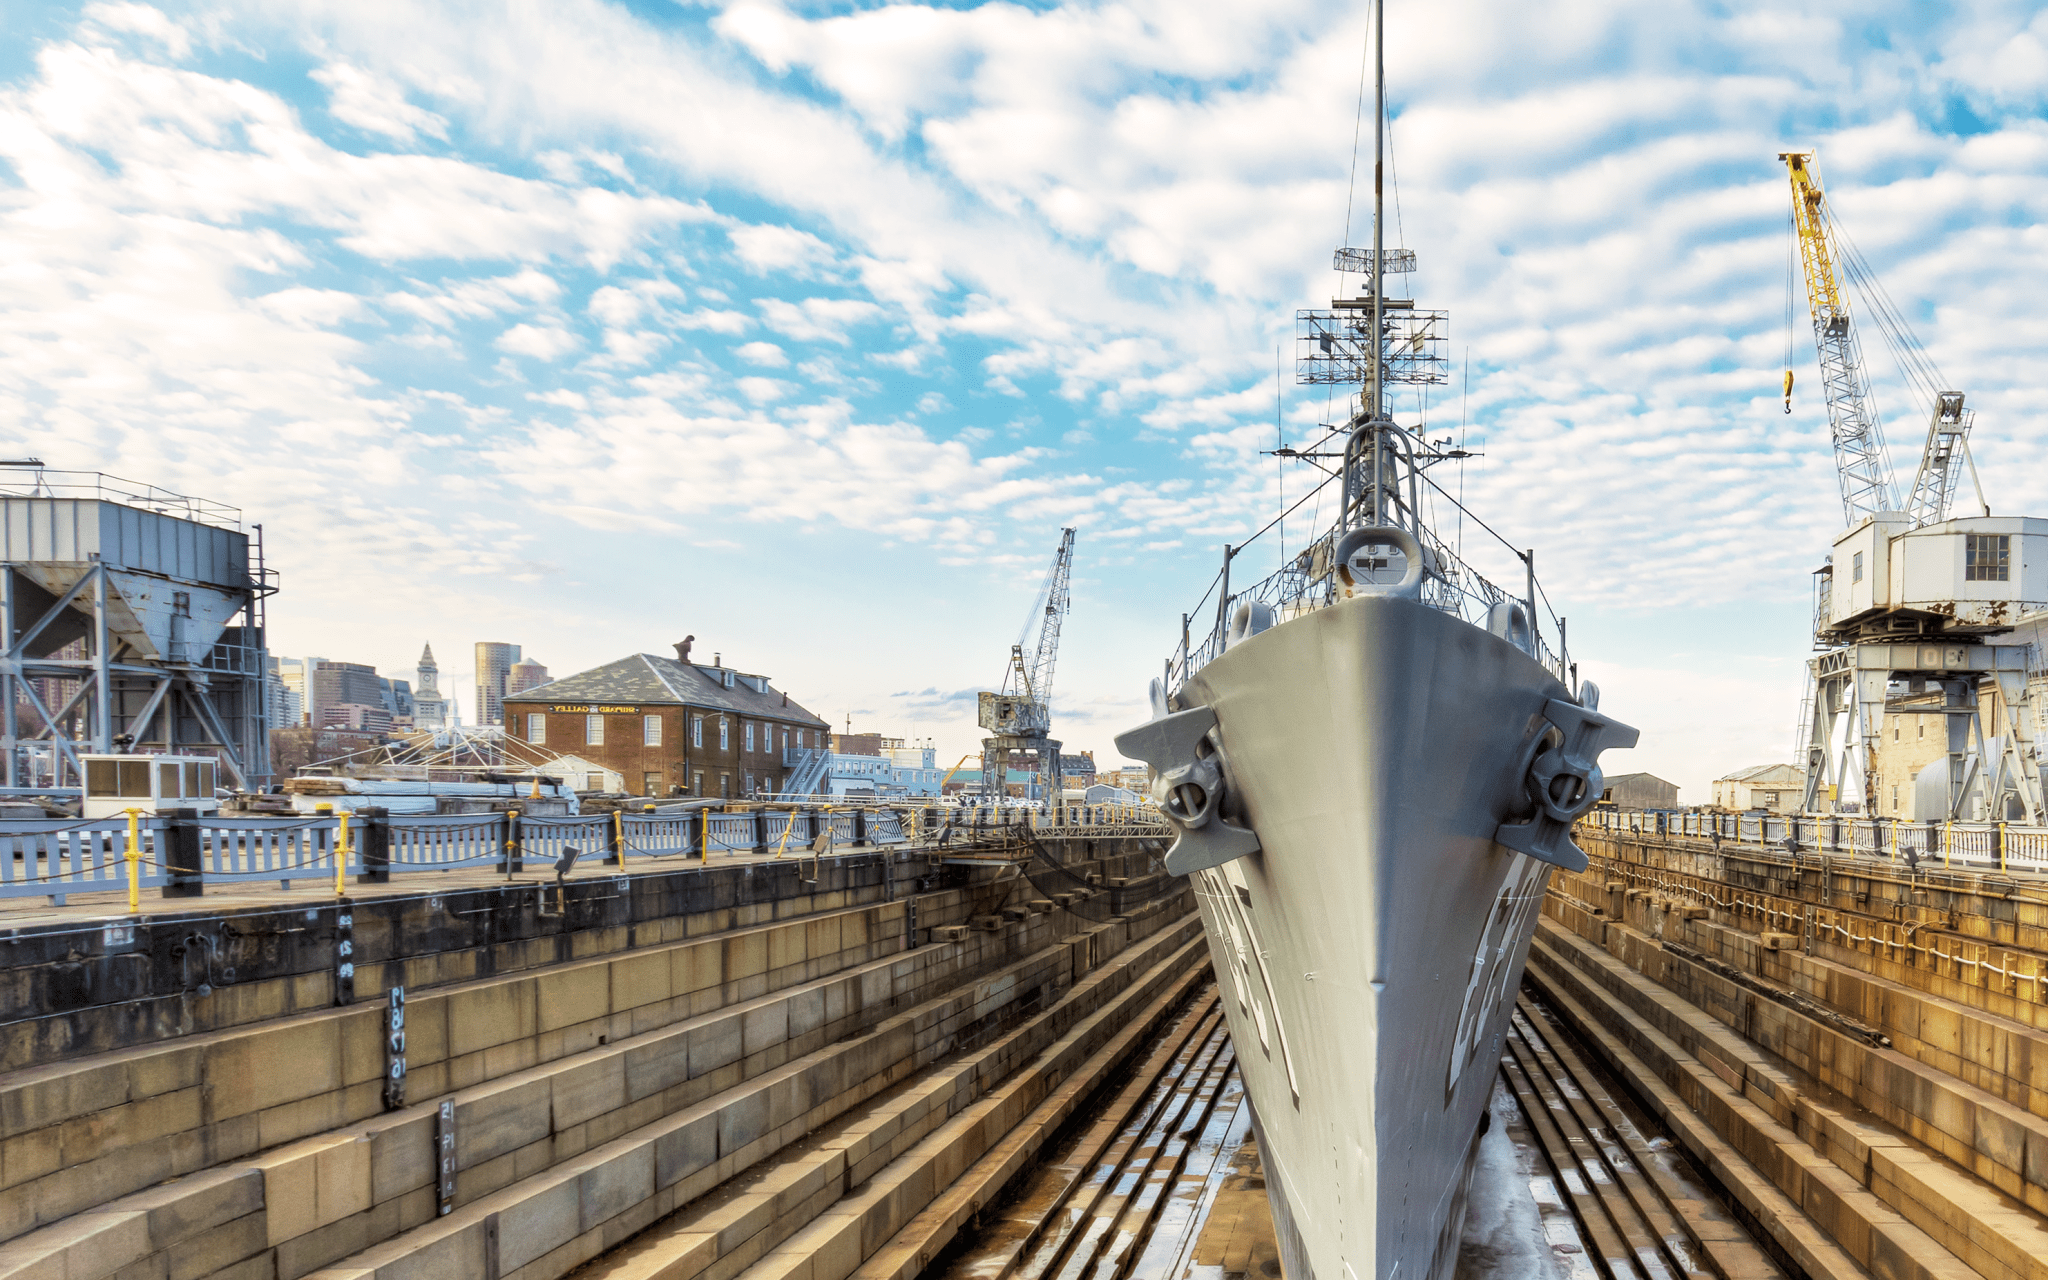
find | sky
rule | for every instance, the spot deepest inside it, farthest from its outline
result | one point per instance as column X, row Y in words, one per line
column 805, row 328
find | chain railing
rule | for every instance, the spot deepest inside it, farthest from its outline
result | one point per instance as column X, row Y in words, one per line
column 1993, row 846
column 53, row 858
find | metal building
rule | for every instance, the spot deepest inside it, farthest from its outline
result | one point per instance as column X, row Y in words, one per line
column 131, row 619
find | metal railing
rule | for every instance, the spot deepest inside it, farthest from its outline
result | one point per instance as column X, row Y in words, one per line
column 1994, row 846
column 49, row 482
column 54, row 858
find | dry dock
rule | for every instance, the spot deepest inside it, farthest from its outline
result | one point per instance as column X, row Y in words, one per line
column 955, row 1062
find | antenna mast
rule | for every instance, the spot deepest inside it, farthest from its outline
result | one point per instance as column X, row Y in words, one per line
column 1376, row 403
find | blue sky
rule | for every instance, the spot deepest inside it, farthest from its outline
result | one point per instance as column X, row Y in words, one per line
column 804, row 328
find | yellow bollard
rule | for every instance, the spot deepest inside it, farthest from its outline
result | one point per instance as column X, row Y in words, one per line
column 134, row 860
column 618, row 833
column 1948, row 830
column 341, row 857
column 2001, row 846
column 704, row 816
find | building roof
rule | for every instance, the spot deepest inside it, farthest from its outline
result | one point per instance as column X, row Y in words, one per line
column 648, row 679
column 1614, row 778
column 1757, row 772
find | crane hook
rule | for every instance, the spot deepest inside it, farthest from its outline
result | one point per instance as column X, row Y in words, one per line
column 1788, row 391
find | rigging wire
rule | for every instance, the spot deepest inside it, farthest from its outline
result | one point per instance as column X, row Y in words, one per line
column 1464, row 398
column 1240, row 546
column 1279, row 442
column 1357, row 127
column 1913, row 360
column 1791, row 258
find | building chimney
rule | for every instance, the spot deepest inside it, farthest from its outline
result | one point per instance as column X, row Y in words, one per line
column 717, row 659
column 683, row 648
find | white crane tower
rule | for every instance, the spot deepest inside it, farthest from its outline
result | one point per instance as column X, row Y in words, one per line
column 1018, row 716
column 1907, row 602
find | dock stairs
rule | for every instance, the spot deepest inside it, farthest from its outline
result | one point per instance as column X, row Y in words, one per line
column 696, row 1106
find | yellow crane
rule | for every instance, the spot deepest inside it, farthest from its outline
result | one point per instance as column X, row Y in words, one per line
column 1861, row 462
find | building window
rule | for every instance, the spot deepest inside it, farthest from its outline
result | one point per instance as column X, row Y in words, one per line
column 593, row 731
column 724, row 734
column 593, row 782
column 749, row 780
column 750, row 737
column 1923, row 726
column 536, row 727
column 785, row 740
column 1856, row 568
column 725, row 786
column 1895, row 798
column 1895, row 731
column 697, row 783
column 650, row 784
column 1987, row 557
column 697, row 740
column 650, row 733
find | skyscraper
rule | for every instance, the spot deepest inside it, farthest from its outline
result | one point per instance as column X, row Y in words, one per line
column 297, row 675
column 493, row 663
column 525, row 674
column 430, row 709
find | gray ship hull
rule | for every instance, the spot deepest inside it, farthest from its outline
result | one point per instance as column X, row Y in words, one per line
column 1370, row 951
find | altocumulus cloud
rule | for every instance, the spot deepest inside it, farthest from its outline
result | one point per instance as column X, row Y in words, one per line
column 454, row 315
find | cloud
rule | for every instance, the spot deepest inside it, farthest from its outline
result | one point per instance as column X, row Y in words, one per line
column 817, row 319
column 767, row 249
column 141, row 19
column 542, row 342
column 1105, row 216
column 376, row 105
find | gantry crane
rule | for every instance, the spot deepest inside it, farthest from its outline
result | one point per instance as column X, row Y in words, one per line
column 1909, row 574
column 1018, row 715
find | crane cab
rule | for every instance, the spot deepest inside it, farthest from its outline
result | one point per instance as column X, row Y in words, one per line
column 1969, row 575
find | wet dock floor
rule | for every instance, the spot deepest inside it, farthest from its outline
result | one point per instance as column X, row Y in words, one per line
column 1162, row 1181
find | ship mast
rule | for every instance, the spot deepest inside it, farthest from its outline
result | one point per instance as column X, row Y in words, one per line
column 1376, row 341
column 1376, row 404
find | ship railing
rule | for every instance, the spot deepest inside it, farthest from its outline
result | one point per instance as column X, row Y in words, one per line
column 1915, row 844
column 1306, row 584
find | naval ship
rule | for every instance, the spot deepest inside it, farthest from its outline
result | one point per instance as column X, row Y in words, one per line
column 1371, row 765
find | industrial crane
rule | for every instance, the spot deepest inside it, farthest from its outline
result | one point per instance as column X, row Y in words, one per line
column 1018, row 716
column 1861, row 463
column 1906, row 573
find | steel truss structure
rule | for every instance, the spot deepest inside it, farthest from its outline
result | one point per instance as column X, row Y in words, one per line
column 1996, row 771
column 118, row 702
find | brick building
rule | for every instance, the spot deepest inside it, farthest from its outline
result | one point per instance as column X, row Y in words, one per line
column 670, row 726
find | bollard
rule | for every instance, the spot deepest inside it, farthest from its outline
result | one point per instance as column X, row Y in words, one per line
column 704, row 828
column 178, row 842
column 512, row 863
column 860, row 827
column 374, row 844
column 616, row 855
column 134, row 856
column 341, row 857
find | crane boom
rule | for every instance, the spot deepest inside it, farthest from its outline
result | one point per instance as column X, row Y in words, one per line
column 1861, row 463
column 1055, row 595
